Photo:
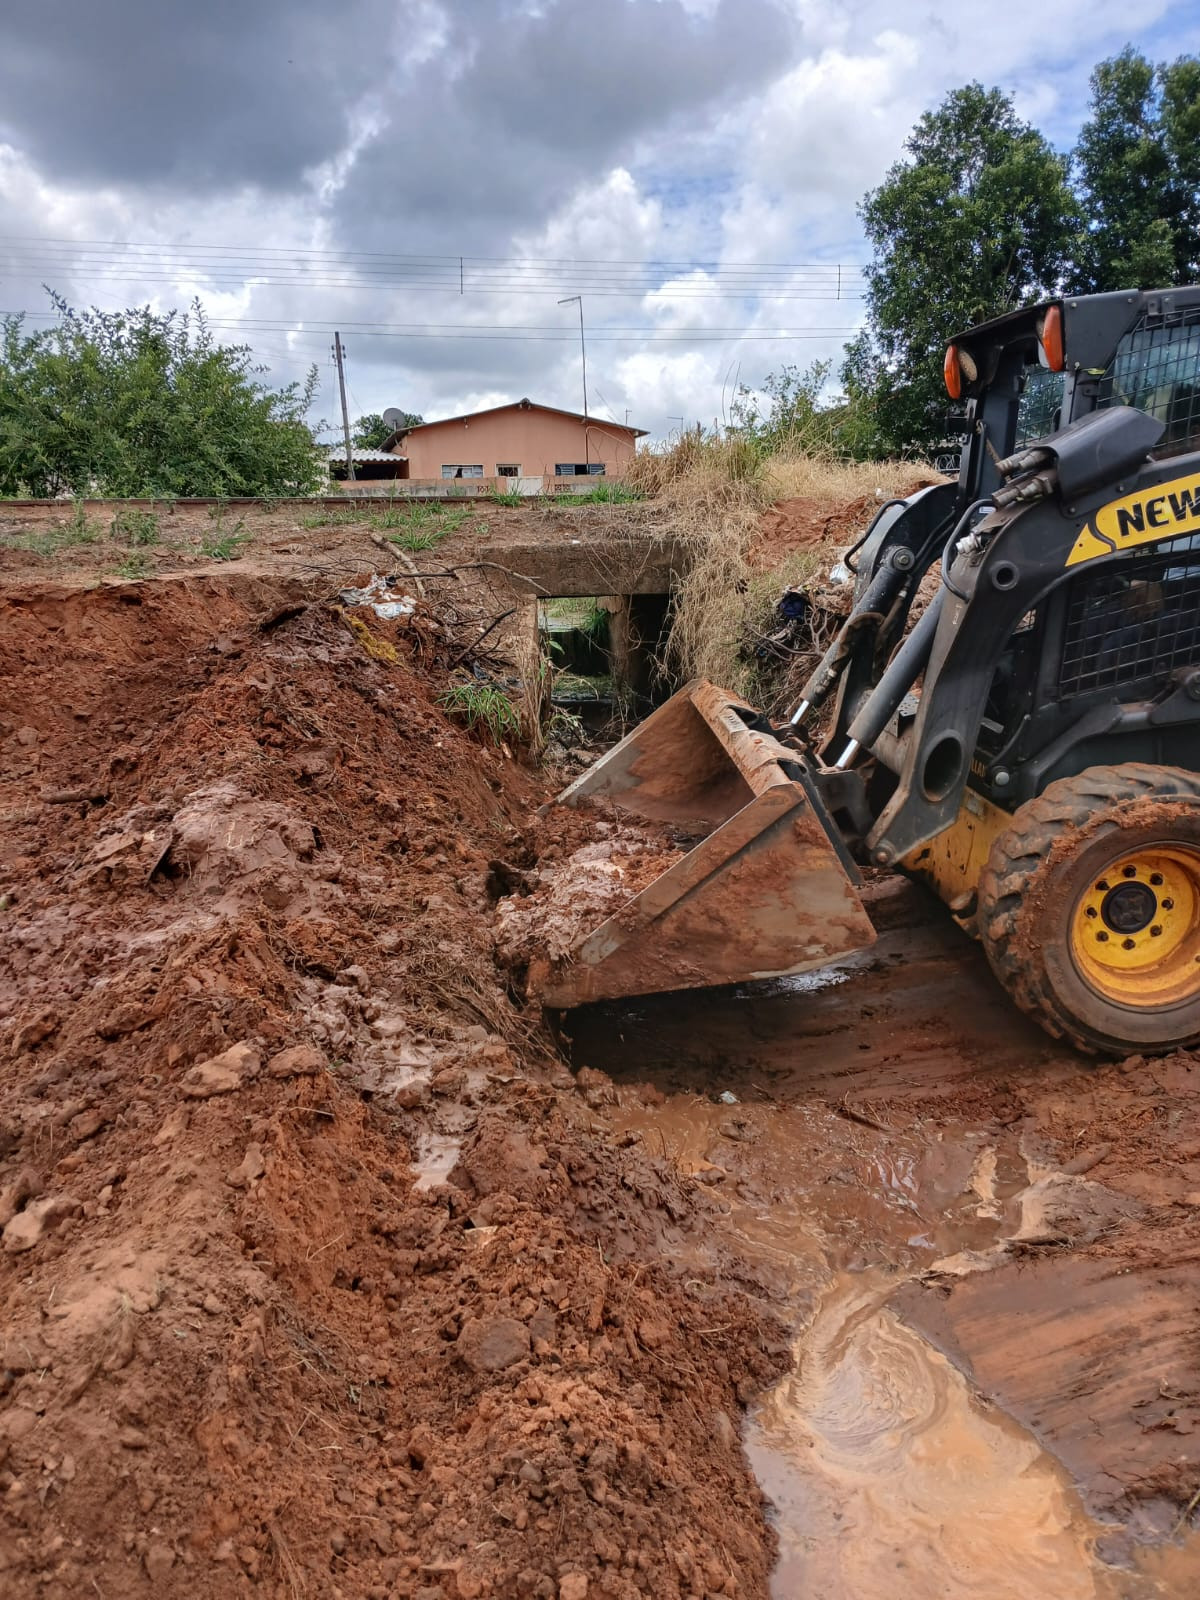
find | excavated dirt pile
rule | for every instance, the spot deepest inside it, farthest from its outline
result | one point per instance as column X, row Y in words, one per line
column 318, row 1280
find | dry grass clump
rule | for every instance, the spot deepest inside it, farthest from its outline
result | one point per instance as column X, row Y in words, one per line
column 712, row 491
column 718, row 471
column 794, row 477
column 733, row 470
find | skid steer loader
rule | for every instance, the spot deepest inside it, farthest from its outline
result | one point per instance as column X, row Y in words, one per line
column 1029, row 745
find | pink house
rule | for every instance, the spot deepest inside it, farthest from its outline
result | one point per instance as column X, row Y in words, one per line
column 521, row 440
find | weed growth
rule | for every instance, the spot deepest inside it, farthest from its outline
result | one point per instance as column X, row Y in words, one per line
column 228, row 546
column 607, row 493
column 135, row 565
column 421, row 526
column 331, row 519
column 79, row 530
column 134, row 527
column 482, row 706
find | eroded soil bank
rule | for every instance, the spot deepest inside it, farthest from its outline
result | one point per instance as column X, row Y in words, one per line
column 318, row 1278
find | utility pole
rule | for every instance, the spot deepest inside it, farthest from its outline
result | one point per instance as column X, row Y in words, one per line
column 337, row 352
column 577, row 299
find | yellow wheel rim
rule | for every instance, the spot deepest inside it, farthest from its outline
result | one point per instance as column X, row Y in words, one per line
column 1135, row 933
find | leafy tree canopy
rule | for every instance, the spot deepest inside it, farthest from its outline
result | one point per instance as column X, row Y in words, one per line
column 796, row 415
column 982, row 216
column 371, row 432
column 1137, row 166
column 980, row 219
column 133, row 403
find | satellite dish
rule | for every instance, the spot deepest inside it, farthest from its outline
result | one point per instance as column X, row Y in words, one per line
column 393, row 418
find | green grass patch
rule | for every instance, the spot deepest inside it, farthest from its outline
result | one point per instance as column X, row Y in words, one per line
column 135, row 527
column 419, row 539
column 227, row 546
column 80, row 530
column 421, row 526
column 332, row 519
column 135, row 565
column 507, row 497
column 482, row 707
column 606, row 494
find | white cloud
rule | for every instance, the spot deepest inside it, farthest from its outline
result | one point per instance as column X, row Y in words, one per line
column 728, row 132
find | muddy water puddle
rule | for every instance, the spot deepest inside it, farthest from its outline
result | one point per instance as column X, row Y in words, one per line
column 885, row 1473
column 888, row 1477
column 853, row 1134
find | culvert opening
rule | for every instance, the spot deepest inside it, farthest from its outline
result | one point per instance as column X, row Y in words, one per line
column 606, row 654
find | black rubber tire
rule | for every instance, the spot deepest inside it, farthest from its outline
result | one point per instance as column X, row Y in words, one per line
column 1035, row 873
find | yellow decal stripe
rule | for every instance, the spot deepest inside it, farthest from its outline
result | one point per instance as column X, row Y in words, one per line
column 1167, row 511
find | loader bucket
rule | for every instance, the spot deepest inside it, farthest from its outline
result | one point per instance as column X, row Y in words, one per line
column 768, row 891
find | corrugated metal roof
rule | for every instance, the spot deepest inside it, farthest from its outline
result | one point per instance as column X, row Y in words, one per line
column 337, row 452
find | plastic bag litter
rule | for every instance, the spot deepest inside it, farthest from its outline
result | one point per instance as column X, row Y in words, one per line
column 380, row 596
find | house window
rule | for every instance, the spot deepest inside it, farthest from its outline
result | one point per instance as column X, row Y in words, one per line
column 456, row 471
column 508, row 469
column 579, row 469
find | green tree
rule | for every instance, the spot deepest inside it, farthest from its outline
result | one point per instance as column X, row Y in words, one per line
column 371, row 432
column 135, row 403
column 802, row 417
column 1137, row 167
column 979, row 219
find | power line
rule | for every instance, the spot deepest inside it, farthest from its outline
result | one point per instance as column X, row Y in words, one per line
column 298, row 324
column 280, row 266
column 496, row 333
column 451, row 262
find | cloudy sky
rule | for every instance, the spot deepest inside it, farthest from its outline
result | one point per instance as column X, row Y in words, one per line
column 433, row 176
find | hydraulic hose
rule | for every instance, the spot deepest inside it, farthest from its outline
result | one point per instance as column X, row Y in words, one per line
column 982, row 507
column 847, row 559
column 883, row 588
column 898, row 678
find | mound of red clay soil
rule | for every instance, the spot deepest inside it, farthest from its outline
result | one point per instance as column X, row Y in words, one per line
column 317, row 1280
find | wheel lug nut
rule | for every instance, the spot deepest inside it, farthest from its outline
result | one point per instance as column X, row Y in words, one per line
column 1092, row 912
column 1102, row 886
column 1129, row 872
column 1168, row 905
column 1156, row 878
column 1128, row 944
column 1102, row 938
column 1155, row 931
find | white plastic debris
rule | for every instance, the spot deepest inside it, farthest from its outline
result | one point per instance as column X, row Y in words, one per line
column 381, row 597
column 727, row 1098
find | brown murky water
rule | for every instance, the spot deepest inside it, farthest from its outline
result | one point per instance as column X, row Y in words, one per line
column 888, row 1477
column 888, row 1474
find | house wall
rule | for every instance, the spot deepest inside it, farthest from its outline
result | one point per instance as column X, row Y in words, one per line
column 533, row 440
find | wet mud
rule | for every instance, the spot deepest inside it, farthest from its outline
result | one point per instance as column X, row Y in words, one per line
column 319, row 1277
column 989, row 1246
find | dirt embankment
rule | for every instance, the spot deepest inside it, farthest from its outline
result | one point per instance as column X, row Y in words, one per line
column 318, row 1280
